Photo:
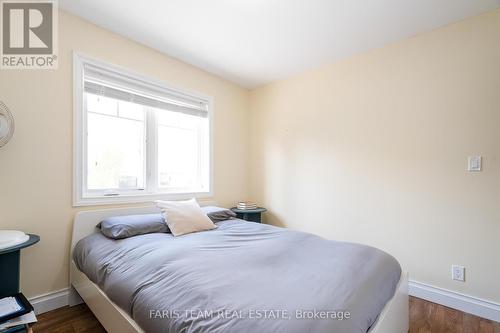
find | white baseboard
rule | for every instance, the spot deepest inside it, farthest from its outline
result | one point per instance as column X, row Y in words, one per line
column 465, row 303
column 50, row 301
column 473, row 305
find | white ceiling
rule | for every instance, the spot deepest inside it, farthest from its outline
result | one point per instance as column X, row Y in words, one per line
column 252, row 42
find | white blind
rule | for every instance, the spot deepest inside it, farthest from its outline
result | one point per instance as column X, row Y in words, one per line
column 100, row 81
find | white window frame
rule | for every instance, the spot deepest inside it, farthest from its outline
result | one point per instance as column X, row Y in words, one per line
column 79, row 139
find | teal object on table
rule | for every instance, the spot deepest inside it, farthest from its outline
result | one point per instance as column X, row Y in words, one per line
column 9, row 266
column 253, row 215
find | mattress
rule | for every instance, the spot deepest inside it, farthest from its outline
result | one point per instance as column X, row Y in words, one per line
column 241, row 277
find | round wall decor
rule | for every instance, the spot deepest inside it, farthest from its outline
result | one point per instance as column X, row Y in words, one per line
column 6, row 124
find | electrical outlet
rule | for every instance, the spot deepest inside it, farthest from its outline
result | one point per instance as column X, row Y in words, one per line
column 458, row 273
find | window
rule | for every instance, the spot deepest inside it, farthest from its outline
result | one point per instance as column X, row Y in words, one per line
column 136, row 139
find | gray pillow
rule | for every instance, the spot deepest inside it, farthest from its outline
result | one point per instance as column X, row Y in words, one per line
column 118, row 227
column 218, row 214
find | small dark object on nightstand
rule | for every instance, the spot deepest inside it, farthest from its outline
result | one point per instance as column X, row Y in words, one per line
column 253, row 215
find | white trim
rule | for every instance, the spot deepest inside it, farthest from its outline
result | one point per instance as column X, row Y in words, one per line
column 145, row 198
column 50, row 301
column 79, row 121
column 77, row 128
column 465, row 303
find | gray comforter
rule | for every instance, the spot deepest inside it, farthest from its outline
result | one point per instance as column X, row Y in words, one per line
column 241, row 277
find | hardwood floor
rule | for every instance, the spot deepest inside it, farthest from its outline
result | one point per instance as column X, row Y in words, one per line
column 425, row 317
column 77, row 319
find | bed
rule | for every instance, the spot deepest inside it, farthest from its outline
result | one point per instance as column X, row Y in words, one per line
column 239, row 277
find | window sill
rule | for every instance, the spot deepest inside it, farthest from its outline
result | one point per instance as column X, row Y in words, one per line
column 138, row 198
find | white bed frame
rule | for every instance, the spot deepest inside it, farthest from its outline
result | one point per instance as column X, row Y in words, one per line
column 392, row 319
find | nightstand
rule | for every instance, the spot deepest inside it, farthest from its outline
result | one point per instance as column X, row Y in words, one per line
column 253, row 215
column 9, row 266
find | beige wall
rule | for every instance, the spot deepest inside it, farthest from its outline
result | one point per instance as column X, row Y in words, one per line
column 373, row 150
column 36, row 166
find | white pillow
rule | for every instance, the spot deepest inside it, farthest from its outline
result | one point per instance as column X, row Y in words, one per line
column 184, row 217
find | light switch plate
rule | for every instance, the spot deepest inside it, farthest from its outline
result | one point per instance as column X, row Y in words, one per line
column 474, row 163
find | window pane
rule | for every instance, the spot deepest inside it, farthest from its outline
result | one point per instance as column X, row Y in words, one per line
column 116, row 150
column 101, row 104
column 181, row 150
column 130, row 111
